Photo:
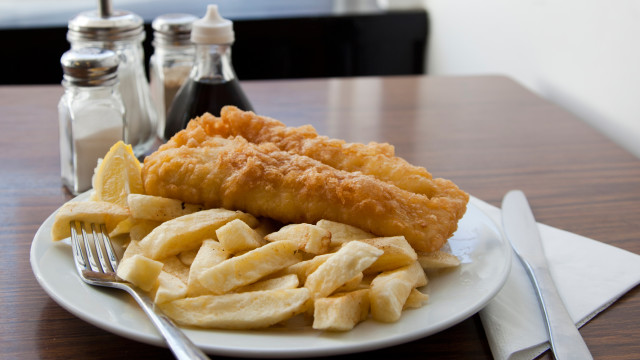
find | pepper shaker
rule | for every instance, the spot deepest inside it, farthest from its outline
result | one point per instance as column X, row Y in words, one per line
column 171, row 61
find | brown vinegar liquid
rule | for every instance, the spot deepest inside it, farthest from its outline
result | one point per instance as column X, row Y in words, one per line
column 197, row 97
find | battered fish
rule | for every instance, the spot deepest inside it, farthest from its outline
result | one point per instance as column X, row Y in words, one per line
column 375, row 159
column 265, row 181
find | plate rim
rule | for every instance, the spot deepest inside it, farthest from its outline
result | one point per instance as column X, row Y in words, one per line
column 154, row 338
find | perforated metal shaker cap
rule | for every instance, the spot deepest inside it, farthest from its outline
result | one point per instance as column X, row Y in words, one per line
column 89, row 66
column 173, row 29
column 118, row 25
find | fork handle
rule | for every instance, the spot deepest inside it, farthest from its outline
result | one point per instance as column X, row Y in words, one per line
column 178, row 342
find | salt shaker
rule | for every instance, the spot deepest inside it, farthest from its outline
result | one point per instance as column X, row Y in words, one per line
column 122, row 32
column 91, row 113
column 171, row 61
column 212, row 82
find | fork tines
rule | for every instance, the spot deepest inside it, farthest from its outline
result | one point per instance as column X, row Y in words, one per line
column 86, row 250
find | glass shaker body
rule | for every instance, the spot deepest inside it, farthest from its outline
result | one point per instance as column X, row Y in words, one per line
column 91, row 119
column 141, row 118
column 122, row 32
column 171, row 62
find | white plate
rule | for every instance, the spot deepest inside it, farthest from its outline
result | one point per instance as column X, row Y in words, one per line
column 453, row 297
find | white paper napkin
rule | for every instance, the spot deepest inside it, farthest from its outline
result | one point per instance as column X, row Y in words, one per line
column 590, row 276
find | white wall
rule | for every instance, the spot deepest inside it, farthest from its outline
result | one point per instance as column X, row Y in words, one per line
column 584, row 55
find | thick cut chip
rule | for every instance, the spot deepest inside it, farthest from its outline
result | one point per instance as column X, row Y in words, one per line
column 210, row 254
column 169, row 288
column 310, row 238
column 187, row 257
column 140, row 271
column 390, row 290
column 133, row 248
column 123, row 227
column 416, row 299
column 341, row 312
column 341, row 267
column 157, row 208
column 118, row 175
column 236, row 237
column 304, row 268
column 397, row 253
column 342, row 233
column 282, row 282
column 175, row 267
column 141, row 228
column 187, row 232
column 354, row 284
column 438, row 260
column 249, row 310
column 249, row 267
column 96, row 212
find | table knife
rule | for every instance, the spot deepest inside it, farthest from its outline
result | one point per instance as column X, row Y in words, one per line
column 522, row 231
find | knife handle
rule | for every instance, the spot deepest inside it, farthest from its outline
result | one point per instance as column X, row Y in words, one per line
column 566, row 341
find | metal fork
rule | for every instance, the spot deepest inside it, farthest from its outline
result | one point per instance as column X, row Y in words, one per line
column 103, row 273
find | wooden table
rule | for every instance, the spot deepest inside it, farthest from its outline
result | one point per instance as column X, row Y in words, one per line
column 487, row 134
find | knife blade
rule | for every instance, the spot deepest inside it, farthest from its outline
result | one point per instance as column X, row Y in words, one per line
column 521, row 229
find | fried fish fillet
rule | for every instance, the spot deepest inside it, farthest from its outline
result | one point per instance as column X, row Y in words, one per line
column 375, row 159
column 265, row 181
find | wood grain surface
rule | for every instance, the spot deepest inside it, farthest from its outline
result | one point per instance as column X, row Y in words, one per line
column 486, row 133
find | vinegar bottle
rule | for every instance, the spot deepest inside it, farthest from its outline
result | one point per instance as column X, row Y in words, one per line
column 212, row 82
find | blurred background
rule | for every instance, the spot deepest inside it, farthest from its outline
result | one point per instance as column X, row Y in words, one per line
column 583, row 55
